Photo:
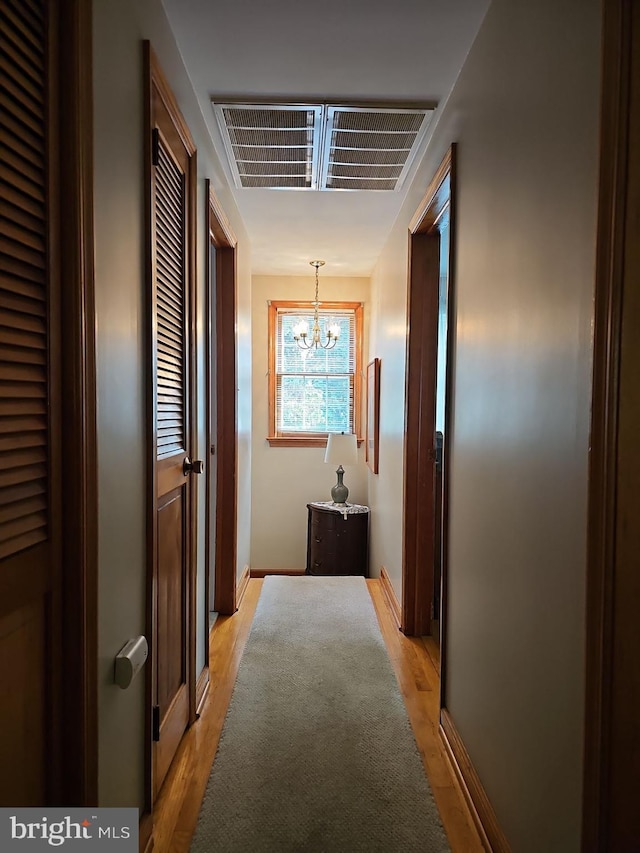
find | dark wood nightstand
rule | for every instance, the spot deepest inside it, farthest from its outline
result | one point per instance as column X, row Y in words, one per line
column 337, row 539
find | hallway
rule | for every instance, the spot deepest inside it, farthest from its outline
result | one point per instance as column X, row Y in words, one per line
column 415, row 663
column 152, row 468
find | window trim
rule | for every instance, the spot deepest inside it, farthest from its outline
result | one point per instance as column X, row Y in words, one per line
column 312, row 439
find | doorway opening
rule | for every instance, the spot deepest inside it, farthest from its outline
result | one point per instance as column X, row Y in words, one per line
column 212, row 439
column 431, row 307
column 441, row 421
column 221, row 371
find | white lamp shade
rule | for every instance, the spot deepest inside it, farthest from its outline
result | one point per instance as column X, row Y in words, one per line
column 342, row 449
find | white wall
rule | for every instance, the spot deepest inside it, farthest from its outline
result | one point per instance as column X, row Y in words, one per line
column 524, row 113
column 286, row 479
column 119, row 28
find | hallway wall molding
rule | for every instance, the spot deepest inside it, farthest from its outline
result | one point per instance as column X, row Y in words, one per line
column 483, row 814
column 243, row 580
column 262, row 573
column 202, row 689
column 390, row 595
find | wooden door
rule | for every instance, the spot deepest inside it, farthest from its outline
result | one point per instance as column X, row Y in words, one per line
column 222, row 407
column 421, row 536
column 30, row 454
column 172, row 423
column 420, row 442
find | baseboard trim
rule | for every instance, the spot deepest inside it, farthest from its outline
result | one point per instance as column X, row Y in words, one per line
column 145, row 833
column 202, row 688
column 242, row 585
column 262, row 573
column 390, row 595
column 481, row 809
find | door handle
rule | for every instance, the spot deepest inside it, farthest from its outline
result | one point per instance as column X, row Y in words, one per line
column 195, row 467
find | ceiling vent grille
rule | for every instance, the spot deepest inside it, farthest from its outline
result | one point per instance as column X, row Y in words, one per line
column 272, row 146
column 320, row 147
column 369, row 149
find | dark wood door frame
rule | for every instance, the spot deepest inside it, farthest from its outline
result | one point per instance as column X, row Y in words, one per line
column 79, row 442
column 612, row 756
column 419, row 453
column 223, row 441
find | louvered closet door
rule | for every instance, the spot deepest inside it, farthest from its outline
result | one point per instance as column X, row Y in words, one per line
column 172, row 390
column 28, row 457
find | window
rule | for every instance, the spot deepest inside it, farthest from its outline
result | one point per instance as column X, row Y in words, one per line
column 313, row 392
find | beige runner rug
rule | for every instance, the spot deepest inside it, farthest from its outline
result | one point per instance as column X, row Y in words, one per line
column 317, row 753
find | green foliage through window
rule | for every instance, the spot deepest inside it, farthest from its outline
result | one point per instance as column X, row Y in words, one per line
column 315, row 387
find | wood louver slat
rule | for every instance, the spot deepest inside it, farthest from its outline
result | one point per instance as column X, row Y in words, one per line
column 169, row 214
column 25, row 474
column 10, row 283
column 21, row 118
column 22, row 147
column 12, row 156
column 25, row 21
column 21, row 232
column 16, row 135
column 170, row 228
column 171, row 330
column 24, row 361
column 22, row 94
column 30, row 11
column 17, row 494
column 18, row 509
column 23, row 457
column 24, row 83
column 22, row 424
column 167, row 422
column 169, row 274
column 20, row 57
column 172, row 306
column 172, row 192
column 170, row 350
column 22, row 51
column 171, row 374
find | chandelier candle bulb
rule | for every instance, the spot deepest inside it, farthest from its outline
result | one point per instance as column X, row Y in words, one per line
column 300, row 330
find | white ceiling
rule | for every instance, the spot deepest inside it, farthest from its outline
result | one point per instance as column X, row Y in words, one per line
column 336, row 50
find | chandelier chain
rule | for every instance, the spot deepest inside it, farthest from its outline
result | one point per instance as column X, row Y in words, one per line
column 300, row 334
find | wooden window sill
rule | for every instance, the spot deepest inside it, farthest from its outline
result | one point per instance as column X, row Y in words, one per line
column 302, row 441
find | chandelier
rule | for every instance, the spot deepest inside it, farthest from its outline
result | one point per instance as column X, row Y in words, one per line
column 301, row 330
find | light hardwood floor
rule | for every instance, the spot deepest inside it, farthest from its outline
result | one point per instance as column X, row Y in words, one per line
column 415, row 665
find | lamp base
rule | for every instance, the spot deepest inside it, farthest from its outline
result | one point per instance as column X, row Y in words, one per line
column 340, row 492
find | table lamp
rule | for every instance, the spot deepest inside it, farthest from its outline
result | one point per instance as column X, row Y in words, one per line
column 342, row 449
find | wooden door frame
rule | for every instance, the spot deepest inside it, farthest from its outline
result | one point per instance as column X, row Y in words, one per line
column 155, row 80
column 220, row 234
column 619, row 113
column 419, row 450
column 79, row 443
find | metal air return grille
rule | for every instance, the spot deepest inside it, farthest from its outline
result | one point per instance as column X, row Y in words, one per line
column 275, row 147
column 370, row 149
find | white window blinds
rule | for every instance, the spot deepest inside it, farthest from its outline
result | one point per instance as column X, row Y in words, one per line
column 315, row 388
